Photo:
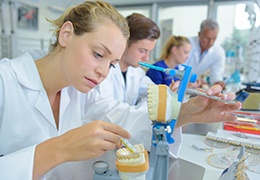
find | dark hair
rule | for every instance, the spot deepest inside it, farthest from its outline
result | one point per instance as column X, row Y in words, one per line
column 141, row 27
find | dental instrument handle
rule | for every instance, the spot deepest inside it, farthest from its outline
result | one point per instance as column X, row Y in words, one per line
column 166, row 70
column 172, row 72
column 194, row 91
column 128, row 145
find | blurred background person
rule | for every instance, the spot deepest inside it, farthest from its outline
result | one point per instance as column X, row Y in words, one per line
column 206, row 55
column 174, row 53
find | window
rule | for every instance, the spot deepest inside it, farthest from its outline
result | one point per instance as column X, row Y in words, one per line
column 180, row 21
column 128, row 11
column 237, row 33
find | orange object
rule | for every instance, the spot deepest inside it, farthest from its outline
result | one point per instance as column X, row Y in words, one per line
column 134, row 168
column 246, row 122
column 162, row 103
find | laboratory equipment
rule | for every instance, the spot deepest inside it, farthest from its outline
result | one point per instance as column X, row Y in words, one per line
column 132, row 165
column 102, row 171
column 128, row 145
column 180, row 74
column 237, row 170
column 247, row 122
column 252, row 100
column 164, row 123
column 164, row 107
column 223, row 138
column 193, row 91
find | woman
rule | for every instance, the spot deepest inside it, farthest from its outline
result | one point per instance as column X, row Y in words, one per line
column 40, row 110
column 175, row 52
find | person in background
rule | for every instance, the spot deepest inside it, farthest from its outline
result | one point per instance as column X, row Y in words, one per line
column 127, row 81
column 206, row 54
column 42, row 132
column 174, row 53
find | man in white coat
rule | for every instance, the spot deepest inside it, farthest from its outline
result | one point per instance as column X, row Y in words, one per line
column 206, row 55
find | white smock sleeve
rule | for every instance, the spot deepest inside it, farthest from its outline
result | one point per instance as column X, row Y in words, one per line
column 18, row 165
column 14, row 165
column 134, row 119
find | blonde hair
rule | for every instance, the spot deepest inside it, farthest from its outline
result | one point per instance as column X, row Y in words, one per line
column 86, row 16
column 172, row 41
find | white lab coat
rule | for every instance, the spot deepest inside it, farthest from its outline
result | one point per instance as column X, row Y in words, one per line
column 134, row 92
column 26, row 120
column 214, row 60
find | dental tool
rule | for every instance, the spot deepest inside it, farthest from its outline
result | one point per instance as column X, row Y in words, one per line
column 166, row 70
column 179, row 74
column 194, row 91
column 185, row 77
column 128, row 145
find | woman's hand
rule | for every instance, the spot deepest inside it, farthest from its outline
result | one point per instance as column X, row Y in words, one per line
column 86, row 142
column 222, row 84
column 205, row 110
column 174, row 85
column 91, row 140
column 200, row 83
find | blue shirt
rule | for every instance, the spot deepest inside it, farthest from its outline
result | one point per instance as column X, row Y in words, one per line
column 159, row 77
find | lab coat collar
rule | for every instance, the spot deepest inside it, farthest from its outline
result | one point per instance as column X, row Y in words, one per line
column 117, row 67
column 28, row 75
column 119, row 75
column 131, row 71
column 198, row 46
column 65, row 100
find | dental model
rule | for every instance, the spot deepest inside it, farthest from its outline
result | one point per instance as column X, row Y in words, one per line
column 132, row 165
column 160, row 102
column 237, row 170
column 163, row 108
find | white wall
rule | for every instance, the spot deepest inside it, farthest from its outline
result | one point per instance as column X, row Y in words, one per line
column 27, row 38
column 226, row 21
column 182, row 23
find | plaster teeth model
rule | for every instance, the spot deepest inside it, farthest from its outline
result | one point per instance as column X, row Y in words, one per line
column 163, row 104
column 237, row 170
column 132, row 165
